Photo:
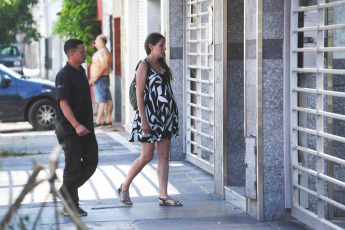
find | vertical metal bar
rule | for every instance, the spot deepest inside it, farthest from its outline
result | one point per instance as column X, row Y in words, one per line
column 198, row 76
column 302, row 117
column 210, row 63
column 260, row 171
column 303, row 141
column 187, row 99
column 330, row 168
column 287, row 108
column 225, row 92
column 319, row 107
column 184, row 70
column 294, row 101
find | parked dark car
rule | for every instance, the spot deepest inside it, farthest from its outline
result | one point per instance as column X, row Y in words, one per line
column 27, row 99
column 12, row 58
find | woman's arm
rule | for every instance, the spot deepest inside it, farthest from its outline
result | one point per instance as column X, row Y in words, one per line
column 140, row 87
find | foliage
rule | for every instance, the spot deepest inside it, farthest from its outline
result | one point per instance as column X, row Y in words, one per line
column 12, row 153
column 16, row 18
column 78, row 19
column 23, row 221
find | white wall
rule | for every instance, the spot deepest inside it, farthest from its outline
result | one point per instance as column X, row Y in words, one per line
column 117, row 8
column 50, row 10
column 153, row 16
column 138, row 19
column 107, row 7
column 129, row 57
column 44, row 14
column 164, row 17
column 141, row 27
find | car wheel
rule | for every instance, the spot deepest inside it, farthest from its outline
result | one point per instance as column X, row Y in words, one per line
column 42, row 114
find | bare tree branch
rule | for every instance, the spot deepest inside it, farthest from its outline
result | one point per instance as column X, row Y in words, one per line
column 33, row 182
column 27, row 188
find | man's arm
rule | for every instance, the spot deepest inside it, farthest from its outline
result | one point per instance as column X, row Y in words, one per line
column 103, row 66
column 67, row 111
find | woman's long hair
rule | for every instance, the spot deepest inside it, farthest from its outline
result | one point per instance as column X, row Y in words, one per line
column 153, row 39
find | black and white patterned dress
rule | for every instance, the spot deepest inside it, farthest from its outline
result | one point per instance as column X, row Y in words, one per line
column 160, row 108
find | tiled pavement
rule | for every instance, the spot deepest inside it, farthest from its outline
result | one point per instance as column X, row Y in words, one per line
column 188, row 183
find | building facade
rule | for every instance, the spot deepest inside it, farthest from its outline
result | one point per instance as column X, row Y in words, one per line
column 45, row 57
column 260, row 90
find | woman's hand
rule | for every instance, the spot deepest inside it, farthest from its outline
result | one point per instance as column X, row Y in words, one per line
column 145, row 127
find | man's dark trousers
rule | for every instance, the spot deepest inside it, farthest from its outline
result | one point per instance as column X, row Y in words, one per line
column 81, row 159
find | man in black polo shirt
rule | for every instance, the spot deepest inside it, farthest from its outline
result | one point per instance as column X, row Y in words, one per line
column 75, row 130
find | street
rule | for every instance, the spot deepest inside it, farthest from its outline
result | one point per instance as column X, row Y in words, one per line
column 202, row 209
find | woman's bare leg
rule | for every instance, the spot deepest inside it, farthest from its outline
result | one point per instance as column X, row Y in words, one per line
column 147, row 151
column 163, row 148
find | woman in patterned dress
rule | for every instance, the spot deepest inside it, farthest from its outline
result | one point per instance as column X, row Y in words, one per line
column 156, row 120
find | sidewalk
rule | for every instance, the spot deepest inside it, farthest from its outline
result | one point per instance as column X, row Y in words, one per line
column 202, row 209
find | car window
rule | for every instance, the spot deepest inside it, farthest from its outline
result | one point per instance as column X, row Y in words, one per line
column 5, row 70
column 8, row 51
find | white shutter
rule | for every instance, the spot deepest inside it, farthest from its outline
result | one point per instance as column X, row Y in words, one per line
column 199, row 83
column 310, row 177
column 142, row 28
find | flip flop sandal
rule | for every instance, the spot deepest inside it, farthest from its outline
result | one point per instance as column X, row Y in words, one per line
column 165, row 203
column 127, row 200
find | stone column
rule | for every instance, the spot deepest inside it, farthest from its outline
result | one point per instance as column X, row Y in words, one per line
column 235, row 102
column 220, row 94
column 175, row 53
column 250, row 103
column 264, row 118
column 272, row 109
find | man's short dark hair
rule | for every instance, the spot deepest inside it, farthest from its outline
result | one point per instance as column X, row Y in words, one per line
column 71, row 44
column 103, row 38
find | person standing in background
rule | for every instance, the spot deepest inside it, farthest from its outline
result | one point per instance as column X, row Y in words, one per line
column 100, row 69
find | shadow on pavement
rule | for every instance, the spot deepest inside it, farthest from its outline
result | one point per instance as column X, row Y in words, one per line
column 15, row 127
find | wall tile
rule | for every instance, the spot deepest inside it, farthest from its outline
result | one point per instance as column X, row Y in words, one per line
column 272, row 49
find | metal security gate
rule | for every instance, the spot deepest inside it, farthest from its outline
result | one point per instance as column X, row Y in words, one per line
column 317, row 115
column 199, row 84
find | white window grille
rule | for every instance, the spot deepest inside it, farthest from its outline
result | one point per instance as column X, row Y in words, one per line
column 316, row 169
column 199, row 83
column 142, row 27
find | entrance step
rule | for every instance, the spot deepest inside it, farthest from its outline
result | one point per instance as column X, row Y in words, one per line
column 235, row 196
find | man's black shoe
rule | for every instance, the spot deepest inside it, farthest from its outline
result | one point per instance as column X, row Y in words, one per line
column 107, row 125
column 80, row 212
column 64, row 194
column 95, row 125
